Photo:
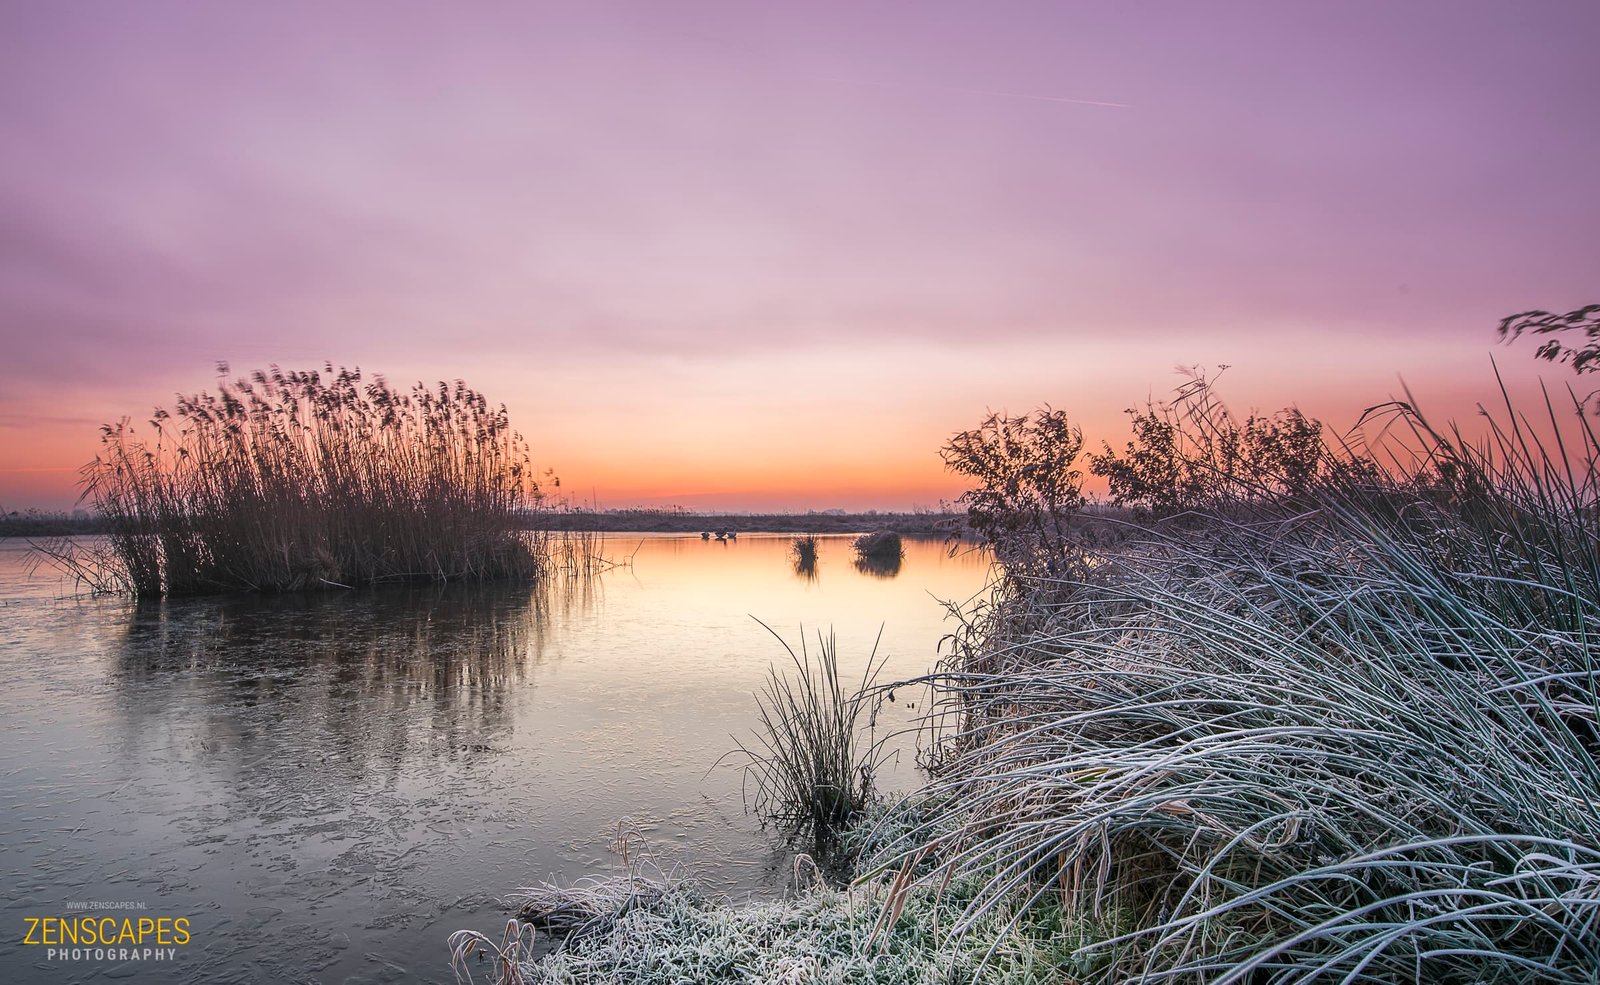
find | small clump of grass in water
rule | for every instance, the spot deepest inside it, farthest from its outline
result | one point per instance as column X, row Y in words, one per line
column 879, row 553
column 815, row 756
column 880, row 546
column 803, row 552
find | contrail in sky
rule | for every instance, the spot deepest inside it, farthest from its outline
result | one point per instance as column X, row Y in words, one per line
column 1001, row 93
column 1029, row 95
column 965, row 90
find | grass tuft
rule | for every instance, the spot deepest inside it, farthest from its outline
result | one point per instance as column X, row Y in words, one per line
column 803, row 551
column 815, row 756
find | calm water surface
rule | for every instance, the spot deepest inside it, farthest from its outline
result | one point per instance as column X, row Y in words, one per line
column 328, row 786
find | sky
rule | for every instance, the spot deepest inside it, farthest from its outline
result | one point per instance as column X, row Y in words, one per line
column 771, row 255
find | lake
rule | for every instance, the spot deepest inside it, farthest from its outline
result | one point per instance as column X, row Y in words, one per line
column 326, row 786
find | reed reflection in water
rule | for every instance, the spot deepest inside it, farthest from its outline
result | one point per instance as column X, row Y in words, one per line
column 328, row 785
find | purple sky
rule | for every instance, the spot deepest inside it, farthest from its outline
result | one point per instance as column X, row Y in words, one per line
column 748, row 254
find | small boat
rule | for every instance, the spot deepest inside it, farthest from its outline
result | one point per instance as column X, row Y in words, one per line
column 721, row 535
column 733, row 535
column 705, row 535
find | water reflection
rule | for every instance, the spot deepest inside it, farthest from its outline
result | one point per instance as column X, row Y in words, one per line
column 327, row 785
column 358, row 675
column 879, row 567
column 433, row 635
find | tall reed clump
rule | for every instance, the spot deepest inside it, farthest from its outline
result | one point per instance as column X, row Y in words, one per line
column 292, row 480
column 816, row 754
column 1350, row 735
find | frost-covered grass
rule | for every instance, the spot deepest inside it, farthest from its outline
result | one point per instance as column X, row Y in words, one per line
column 823, row 935
column 1349, row 737
column 652, row 928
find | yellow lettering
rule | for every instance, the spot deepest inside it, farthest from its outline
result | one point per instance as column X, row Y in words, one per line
column 69, row 931
column 146, row 927
column 182, row 926
column 125, row 932
column 33, row 924
column 107, row 936
column 48, row 923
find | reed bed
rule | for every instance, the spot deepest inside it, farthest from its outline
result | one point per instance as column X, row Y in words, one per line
column 1347, row 737
column 288, row 480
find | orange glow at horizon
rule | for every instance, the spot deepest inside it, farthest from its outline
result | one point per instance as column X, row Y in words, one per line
column 771, row 256
column 818, row 431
